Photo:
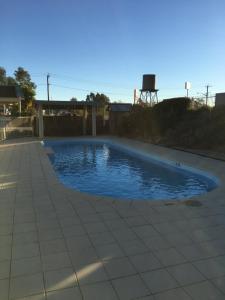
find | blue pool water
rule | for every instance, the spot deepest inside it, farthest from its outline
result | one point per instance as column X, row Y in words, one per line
column 101, row 168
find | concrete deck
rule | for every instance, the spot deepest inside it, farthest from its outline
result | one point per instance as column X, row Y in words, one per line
column 56, row 243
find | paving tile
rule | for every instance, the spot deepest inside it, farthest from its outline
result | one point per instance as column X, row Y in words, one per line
column 214, row 248
column 78, row 243
column 6, row 229
column 113, row 215
column 136, row 221
column 24, row 218
column 95, row 227
column 109, row 251
column 26, row 285
column 48, row 223
column 170, row 257
column 53, row 246
column 210, row 268
column 116, row 224
column 4, row 269
column 157, row 243
column 24, row 227
column 176, row 239
column 74, row 230
column 25, row 238
column 133, row 247
column 145, row 262
column 26, row 266
column 119, row 267
column 60, row 279
column 6, row 240
column 25, row 251
column 56, row 261
column 124, row 235
column 91, row 273
column 50, row 234
column 4, row 289
column 82, row 257
column 69, row 221
column 145, row 231
column 90, row 218
column 193, row 252
column 175, row 294
column 166, row 227
column 35, row 297
column 5, row 253
column 130, row 287
column 102, row 238
column 97, row 291
column 201, row 235
column 146, row 298
column 186, row 274
column 67, row 294
column 219, row 282
column 159, row 280
column 204, row 291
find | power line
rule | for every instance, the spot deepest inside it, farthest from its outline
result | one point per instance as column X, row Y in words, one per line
column 93, row 82
column 88, row 91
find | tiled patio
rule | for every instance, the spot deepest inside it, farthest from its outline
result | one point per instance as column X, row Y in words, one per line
column 56, row 243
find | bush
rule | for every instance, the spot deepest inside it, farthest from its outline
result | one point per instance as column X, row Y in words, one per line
column 176, row 122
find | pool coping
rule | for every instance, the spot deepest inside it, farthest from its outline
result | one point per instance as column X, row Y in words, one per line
column 204, row 165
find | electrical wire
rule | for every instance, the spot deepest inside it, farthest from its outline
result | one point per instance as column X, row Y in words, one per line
column 88, row 91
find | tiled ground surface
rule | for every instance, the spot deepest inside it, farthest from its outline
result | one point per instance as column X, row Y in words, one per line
column 56, row 243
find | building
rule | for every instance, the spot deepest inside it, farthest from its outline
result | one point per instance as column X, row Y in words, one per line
column 10, row 95
column 220, row 99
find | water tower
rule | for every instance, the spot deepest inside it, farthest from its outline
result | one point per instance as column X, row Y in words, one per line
column 148, row 92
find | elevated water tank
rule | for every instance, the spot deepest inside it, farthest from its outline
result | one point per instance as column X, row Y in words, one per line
column 148, row 83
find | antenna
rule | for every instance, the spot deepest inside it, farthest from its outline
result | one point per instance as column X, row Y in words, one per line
column 48, row 75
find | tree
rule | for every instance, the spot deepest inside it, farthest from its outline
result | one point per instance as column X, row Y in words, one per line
column 11, row 81
column 28, row 87
column 3, row 78
column 99, row 99
column 73, row 99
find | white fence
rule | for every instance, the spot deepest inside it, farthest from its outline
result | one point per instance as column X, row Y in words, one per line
column 12, row 127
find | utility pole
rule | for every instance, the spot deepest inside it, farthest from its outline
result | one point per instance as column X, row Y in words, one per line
column 207, row 94
column 48, row 75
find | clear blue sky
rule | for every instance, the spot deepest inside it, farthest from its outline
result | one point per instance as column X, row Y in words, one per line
column 106, row 45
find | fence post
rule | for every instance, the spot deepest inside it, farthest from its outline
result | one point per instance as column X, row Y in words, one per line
column 84, row 120
column 93, row 119
column 40, row 122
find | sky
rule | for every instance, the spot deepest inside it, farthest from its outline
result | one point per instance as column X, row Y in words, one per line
column 107, row 45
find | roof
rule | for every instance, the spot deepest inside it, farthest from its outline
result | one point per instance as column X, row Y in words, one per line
column 10, row 91
column 60, row 104
column 120, row 107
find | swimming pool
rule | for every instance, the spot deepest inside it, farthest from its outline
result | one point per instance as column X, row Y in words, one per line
column 106, row 169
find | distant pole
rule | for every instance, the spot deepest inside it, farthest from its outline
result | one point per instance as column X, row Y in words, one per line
column 187, row 87
column 207, row 94
column 48, row 75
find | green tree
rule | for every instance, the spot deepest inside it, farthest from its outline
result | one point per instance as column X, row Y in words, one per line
column 100, row 99
column 73, row 99
column 11, row 81
column 3, row 78
column 28, row 87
